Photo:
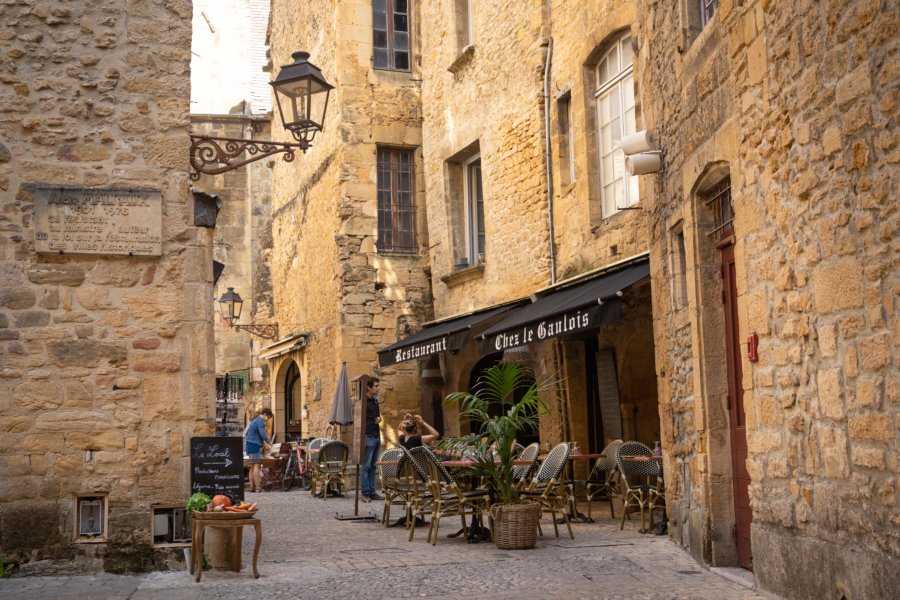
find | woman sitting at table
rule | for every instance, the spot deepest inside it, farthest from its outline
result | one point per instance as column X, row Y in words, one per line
column 411, row 437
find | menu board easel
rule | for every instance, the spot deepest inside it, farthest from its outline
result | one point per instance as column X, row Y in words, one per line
column 217, row 466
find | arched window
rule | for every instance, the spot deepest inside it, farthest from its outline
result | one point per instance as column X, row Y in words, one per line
column 614, row 96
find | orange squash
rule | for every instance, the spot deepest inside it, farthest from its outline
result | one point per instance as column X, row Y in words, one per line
column 220, row 500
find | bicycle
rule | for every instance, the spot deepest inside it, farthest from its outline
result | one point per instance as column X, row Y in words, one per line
column 296, row 471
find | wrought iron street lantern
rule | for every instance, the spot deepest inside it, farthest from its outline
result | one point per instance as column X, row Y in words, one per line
column 301, row 93
column 231, row 304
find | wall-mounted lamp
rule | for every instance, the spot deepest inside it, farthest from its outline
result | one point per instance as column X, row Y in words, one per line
column 231, row 304
column 301, row 93
column 642, row 153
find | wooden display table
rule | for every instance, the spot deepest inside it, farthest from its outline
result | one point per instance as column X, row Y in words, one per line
column 226, row 520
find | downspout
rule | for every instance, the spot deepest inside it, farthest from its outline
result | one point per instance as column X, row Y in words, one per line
column 547, row 157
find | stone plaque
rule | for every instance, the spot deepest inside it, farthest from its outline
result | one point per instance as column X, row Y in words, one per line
column 74, row 220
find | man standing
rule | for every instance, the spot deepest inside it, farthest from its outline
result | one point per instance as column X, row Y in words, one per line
column 373, row 441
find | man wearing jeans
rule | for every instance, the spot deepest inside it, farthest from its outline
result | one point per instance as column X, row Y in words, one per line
column 373, row 441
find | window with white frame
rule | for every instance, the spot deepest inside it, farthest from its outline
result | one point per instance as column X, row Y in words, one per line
column 615, row 119
column 474, row 211
column 465, row 22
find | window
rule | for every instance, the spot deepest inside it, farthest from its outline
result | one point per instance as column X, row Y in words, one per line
column 719, row 200
column 707, row 9
column 615, row 119
column 679, row 268
column 396, row 201
column 566, row 140
column 390, row 34
column 474, row 212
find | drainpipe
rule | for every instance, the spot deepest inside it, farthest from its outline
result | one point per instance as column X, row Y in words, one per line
column 547, row 157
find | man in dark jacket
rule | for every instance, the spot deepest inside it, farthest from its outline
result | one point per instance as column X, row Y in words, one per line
column 373, row 442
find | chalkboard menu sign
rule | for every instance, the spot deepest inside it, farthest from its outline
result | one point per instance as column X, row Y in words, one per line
column 217, row 466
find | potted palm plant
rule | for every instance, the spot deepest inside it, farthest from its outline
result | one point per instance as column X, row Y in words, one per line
column 515, row 391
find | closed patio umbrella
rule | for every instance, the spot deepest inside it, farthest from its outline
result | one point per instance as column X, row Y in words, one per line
column 341, row 409
column 342, row 414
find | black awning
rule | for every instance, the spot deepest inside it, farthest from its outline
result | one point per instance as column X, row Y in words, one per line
column 451, row 334
column 570, row 310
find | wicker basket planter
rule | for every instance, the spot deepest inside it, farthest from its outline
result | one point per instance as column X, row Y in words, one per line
column 515, row 525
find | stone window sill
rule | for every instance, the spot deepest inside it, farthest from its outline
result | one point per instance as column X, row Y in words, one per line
column 464, row 58
column 463, row 275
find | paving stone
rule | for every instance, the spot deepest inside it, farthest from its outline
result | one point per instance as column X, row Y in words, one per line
column 307, row 553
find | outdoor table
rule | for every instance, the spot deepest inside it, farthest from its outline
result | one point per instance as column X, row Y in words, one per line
column 199, row 524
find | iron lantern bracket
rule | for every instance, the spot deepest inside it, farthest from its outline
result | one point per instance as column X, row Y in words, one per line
column 268, row 331
column 214, row 155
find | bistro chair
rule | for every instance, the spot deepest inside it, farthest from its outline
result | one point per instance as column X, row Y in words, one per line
column 393, row 488
column 316, row 444
column 521, row 473
column 330, row 466
column 546, row 488
column 413, row 473
column 641, row 482
column 272, row 476
column 444, row 496
column 601, row 482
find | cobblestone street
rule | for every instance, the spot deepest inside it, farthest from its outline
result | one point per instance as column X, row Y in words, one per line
column 306, row 553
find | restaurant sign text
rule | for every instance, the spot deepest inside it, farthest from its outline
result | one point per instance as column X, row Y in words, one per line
column 567, row 323
column 421, row 350
column 76, row 220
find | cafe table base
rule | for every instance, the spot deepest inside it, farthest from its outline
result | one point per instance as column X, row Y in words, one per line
column 197, row 542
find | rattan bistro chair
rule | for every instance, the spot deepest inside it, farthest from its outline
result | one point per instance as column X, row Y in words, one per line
column 444, row 496
column 602, row 482
column 393, row 487
column 330, row 466
column 522, row 473
column 641, row 482
column 546, row 488
column 316, row 444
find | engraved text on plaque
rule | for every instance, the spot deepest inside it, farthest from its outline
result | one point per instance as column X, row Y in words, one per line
column 73, row 220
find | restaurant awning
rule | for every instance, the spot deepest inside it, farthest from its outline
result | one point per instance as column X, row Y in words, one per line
column 578, row 307
column 449, row 334
column 289, row 344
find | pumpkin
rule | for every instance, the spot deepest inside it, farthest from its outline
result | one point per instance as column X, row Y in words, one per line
column 221, row 500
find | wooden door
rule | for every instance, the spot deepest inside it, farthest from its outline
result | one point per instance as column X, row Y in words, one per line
column 740, row 478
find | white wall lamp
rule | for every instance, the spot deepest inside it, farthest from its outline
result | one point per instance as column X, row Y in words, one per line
column 642, row 153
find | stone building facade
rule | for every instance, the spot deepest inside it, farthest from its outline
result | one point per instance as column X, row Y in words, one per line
column 762, row 354
column 106, row 370
column 778, row 123
column 511, row 91
column 341, row 291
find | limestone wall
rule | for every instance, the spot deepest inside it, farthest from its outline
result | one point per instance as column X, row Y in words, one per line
column 328, row 278
column 106, row 362
column 798, row 102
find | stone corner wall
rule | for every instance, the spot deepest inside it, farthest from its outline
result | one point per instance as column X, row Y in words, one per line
column 798, row 103
column 105, row 360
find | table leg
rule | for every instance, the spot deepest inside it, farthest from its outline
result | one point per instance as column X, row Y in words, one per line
column 193, row 545
column 199, row 555
column 237, row 542
column 258, row 528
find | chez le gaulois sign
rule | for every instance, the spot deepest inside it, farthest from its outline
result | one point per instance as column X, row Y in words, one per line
column 563, row 324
